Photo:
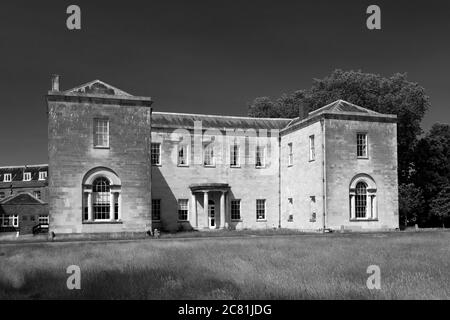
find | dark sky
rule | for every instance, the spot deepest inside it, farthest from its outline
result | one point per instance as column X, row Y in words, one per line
column 207, row 56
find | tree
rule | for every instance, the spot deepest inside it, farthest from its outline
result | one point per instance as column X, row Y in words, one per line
column 440, row 205
column 393, row 95
column 432, row 169
column 263, row 107
column 411, row 204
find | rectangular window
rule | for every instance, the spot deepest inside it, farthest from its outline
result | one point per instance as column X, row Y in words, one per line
column 2, row 195
column 156, row 154
column 290, row 155
column 7, row 177
column 183, row 209
column 27, row 176
column 101, row 133
column 208, row 154
column 261, row 209
column 37, row 194
column 9, row 220
column 312, row 208
column 42, row 175
column 235, row 209
column 260, row 156
column 43, row 219
column 234, row 155
column 183, row 155
column 361, row 145
column 156, row 209
column 291, row 209
column 312, row 149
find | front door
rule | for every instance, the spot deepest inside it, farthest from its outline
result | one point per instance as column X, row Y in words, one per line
column 212, row 214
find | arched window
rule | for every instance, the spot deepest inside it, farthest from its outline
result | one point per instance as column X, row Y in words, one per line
column 363, row 205
column 361, row 200
column 101, row 196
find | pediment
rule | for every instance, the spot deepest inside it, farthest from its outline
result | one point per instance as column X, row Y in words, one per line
column 98, row 87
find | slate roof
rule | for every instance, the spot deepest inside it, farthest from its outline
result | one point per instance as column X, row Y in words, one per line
column 21, row 199
column 17, row 176
column 343, row 106
column 339, row 107
column 186, row 120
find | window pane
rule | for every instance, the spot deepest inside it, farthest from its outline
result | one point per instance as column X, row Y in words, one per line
column 101, row 199
column 361, row 200
column 312, row 150
column 101, row 133
column 260, row 156
column 183, row 209
column 156, row 153
column 235, row 209
column 361, row 145
column 209, row 155
column 156, row 209
column 260, row 209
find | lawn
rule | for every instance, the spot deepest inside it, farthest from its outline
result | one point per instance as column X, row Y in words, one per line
column 414, row 265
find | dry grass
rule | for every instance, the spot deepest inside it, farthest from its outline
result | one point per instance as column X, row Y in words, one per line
column 413, row 266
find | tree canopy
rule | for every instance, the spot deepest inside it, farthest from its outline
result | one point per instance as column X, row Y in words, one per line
column 391, row 95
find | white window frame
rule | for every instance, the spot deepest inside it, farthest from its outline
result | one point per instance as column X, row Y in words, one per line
column 290, row 154
column 312, row 148
column 97, row 133
column 184, row 206
column 185, row 148
column 8, row 217
column 263, row 158
column 43, row 219
column 264, row 208
column 7, row 177
column 27, row 176
column 42, row 175
column 159, row 153
column 238, row 201
column 36, row 192
column 366, row 145
column 212, row 158
column 236, row 152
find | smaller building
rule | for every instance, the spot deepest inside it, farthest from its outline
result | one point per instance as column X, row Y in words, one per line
column 24, row 199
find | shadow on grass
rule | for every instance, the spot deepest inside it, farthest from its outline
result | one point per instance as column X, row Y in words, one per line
column 133, row 284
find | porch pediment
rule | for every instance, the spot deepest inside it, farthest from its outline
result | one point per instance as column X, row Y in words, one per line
column 197, row 187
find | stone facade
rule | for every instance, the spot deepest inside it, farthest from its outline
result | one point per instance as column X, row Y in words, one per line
column 184, row 168
column 72, row 156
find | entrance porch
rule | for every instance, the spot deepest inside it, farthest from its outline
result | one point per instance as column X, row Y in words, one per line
column 209, row 205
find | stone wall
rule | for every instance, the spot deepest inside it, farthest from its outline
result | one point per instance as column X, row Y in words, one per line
column 72, row 155
column 171, row 182
column 302, row 180
column 342, row 165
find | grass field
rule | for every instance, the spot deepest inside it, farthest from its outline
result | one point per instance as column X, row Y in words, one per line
column 414, row 265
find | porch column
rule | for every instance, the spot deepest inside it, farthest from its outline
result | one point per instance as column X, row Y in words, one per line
column 369, row 206
column 89, row 205
column 374, row 207
column 194, row 209
column 352, row 206
column 205, row 207
column 222, row 210
column 119, row 202
column 111, row 206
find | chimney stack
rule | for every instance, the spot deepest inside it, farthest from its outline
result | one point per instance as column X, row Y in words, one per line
column 302, row 111
column 55, row 82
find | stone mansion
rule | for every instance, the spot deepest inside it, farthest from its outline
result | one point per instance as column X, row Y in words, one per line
column 115, row 165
